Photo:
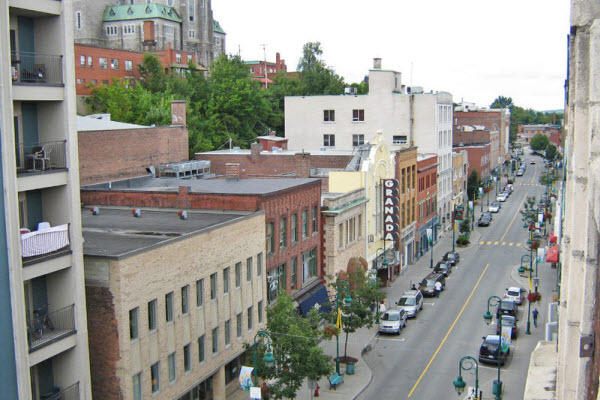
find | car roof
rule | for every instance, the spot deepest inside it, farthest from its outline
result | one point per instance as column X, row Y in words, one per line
column 410, row 293
column 514, row 289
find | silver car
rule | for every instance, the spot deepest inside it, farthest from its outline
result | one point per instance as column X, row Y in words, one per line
column 411, row 302
column 392, row 321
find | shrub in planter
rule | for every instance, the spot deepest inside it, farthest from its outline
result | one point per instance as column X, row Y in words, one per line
column 462, row 240
column 533, row 297
column 535, row 245
column 330, row 331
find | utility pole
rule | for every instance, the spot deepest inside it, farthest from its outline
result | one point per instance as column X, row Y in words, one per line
column 264, row 46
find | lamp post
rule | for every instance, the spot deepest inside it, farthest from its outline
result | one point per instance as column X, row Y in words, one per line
column 384, row 264
column 459, row 384
column 347, row 300
column 481, row 191
column 453, row 224
column 268, row 358
column 437, row 225
column 496, row 301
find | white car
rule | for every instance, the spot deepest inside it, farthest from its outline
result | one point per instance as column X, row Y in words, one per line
column 502, row 197
column 494, row 207
column 392, row 321
column 411, row 302
column 515, row 294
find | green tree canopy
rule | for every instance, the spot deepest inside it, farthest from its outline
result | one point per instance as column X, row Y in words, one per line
column 153, row 76
column 539, row 142
column 551, row 152
column 473, row 184
column 503, row 102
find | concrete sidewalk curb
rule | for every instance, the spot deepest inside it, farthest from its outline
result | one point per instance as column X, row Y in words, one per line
column 367, row 348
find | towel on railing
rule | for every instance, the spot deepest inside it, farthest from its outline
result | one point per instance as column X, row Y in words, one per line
column 43, row 242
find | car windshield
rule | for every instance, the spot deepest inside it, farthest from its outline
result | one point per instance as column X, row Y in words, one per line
column 508, row 305
column 406, row 301
column 429, row 282
column 512, row 293
column 391, row 317
column 450, row 256
column 508, row 321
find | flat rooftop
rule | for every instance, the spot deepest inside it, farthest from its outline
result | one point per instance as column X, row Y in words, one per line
column 116, row 233
column 281, row 152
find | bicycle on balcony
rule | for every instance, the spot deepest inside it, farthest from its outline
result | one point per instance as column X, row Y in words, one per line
column 41, row 322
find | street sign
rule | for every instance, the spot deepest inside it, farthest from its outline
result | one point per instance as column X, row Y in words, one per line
column 255, row 393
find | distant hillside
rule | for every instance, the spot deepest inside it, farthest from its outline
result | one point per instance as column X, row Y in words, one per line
column 559, row 111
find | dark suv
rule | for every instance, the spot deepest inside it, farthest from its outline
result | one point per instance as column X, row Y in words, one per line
column 507, row 307
column 427, row 286
column 451, row 257
column 488, row 352
column 443, row 268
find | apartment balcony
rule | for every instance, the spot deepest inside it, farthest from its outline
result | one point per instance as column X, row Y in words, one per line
column 46, row 328
column 37, row 76
column 41, row 165
column 70, row 393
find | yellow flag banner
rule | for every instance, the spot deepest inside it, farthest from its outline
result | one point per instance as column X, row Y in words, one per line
column 338, row 323
column 530, row 284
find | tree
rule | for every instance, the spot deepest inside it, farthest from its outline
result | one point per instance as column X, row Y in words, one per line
column 311, row 61
column 473, row 184
column 365, row 293
column 529, row 212
column 153, row 74
column 551, row 152
column 465, row 226
column 539, row 142
column 503, row 102
column 548, row 178
column 295, row 347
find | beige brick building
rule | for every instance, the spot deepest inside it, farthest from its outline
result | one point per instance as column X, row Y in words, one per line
column 171, row 301
column 406, row 173
column 460, row 163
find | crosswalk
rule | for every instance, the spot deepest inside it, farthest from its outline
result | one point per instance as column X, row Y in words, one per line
column 498, row 243
column 530, row 184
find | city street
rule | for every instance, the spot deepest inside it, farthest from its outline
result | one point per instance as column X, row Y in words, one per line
column 423, row 361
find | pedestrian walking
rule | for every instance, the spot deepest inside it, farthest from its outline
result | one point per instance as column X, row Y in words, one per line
column 535, row 315
column 438, row 288
column 382, row 308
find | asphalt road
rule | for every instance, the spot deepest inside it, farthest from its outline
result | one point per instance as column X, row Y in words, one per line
column 423, row 361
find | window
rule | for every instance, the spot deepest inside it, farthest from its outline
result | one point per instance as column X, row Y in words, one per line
column 328, row 115
column 201, row 353
column 90, row 61
column 155, row 377
column 114, row 63
column 341, row 235
column 304, row 224
column 82, row 61
column 185, row 300
column 213, row 286
column 78, row 20
column 133, row 323
column 227, row 332
column 238, row 321
column 192, row 9
column 238, row 274
column 112, row 30
column 187, row 362
column 169, row 30
column 103, row 62
column 329, row 140
column 314, row 219
column 400, row 139
column 137, row 386
column 226, row 280
column 283, row 232
column 260, row 312
column 309, row 265
column 152, row 315
column 270, row 237
column 199, row 292
column 178, row 58
column 215, row 340
column 191, row 33
column 105, row 81
column 93, row 81
column 80, row 81
column 259, row 260
column 169, row 306
column 294, row 277
column 358, row 115
column 294, row 228
column 358, row 140
column 250, row 310
column 189, row 58
column 276, row 282
column 172, row 367
column 128, row 65
column 128, row 29
column 249, row 269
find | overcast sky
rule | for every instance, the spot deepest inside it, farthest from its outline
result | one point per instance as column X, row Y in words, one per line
column 474, row 49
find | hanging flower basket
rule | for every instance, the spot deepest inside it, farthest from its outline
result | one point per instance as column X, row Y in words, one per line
column 533, row 297
column 535, row 245
column 548, row 215
column 331, row 331
column 487, row 189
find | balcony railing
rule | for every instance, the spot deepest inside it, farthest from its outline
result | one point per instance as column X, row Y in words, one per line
column 41, row 156
column 36, row 68
column 44, row 242
column 70, row 393
column 46, row 327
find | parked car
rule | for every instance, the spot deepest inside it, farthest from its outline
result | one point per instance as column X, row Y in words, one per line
column 488, row 352
column 509, row 187
column 494, row 207
column 515, row 294
column 532, row 162
column 427, row 286
column 443, row 268
column 520, row 172
column 392, row 321
column 451, row 257
column 502, row 197
column 485, row 219
column 507, row 307
column 508, row 321
column 411, row 302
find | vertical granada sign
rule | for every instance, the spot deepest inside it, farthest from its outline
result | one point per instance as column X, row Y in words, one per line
column 391, row 199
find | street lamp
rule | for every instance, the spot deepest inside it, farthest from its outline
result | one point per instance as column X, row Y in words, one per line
column 481, row 191
column 268, row 358
column 432, row 243
column 459, row 384
column 347, row 300
column 496, row 301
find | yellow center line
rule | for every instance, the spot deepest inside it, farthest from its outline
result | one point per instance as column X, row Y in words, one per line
column 513, row 220
column 449, row 331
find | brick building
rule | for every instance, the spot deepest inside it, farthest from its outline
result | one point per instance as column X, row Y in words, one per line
column 478, row 135
column 406, row 173
column 168, row 310
column 478, row 158
column 426, row 202
column 292, row 211
column 460, row 163
column 113, row 150
column 265, row 71
column 552, row 132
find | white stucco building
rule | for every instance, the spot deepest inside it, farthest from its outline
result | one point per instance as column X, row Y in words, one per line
column 407, row 116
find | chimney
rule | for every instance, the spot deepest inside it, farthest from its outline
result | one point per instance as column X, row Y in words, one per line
column 277, row 62
column 149, row 37
column 255, row 149
column 302, row 165
column 377, row 63
column 232, row 171
column 178, row 112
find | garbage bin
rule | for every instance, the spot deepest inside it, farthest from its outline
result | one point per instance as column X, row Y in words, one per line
column 350, row 368
column 497, row 388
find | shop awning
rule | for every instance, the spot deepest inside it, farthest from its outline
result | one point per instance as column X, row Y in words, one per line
column 316, row 296
column 553, row 254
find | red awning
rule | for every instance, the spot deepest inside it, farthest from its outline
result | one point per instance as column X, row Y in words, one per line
column 552, row 238
column 552, row 256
